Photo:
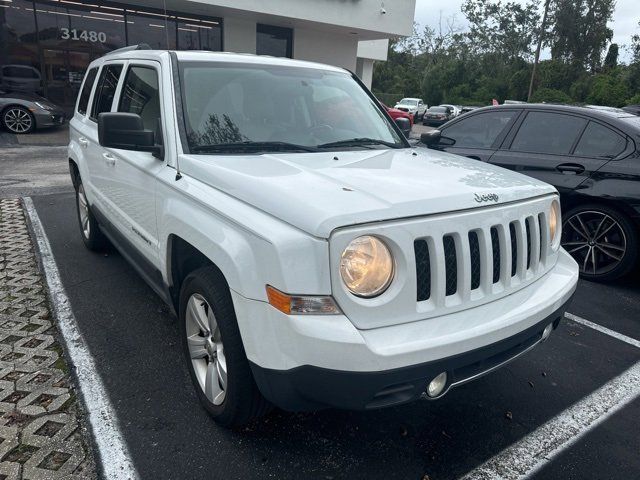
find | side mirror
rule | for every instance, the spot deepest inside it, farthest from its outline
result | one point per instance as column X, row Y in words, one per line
column 404, row 124
column 431, row 137
column 126, row 131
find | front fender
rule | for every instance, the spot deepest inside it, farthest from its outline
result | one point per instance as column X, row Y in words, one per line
column 251, row 248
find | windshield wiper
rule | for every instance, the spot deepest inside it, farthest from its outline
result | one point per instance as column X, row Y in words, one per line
column 252, row 146
column 359, row 142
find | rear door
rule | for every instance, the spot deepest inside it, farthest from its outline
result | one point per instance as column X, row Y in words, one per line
column 542, row 145
column 478, row 135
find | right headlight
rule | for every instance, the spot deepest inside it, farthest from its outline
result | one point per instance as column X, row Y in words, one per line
column 555, row 223
column 366, row 266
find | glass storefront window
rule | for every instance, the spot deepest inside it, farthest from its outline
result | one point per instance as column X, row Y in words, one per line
column 274, row 41
column 194, row 34
column 19, row 60
column 155, row 29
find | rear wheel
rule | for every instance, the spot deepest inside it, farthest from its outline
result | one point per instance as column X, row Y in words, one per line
column 602, row 240
column 215, row 355
column 92, row 236
column 18, row 120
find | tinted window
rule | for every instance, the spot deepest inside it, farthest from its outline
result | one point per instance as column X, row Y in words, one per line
column 544, row 132
column 600, row 141
column 274, row 41
column 481, row 130
column 103, row 98
column 86, row 90
column 140, row 95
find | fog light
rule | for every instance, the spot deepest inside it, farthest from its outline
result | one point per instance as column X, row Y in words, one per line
column 547, row 331
column 436, row 386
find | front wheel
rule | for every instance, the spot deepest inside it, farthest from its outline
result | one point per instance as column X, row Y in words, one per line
column 215, row 355
column 602, row 240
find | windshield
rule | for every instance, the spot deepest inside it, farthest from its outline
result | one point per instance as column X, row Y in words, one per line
column 408, row 101
column 236, row 107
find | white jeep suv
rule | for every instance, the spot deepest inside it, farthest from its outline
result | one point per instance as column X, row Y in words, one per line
column 312, row 256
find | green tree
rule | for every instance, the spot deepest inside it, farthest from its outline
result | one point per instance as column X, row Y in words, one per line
column 550, row 95
column 609, row 89
column 611, row 60
column 579, row 31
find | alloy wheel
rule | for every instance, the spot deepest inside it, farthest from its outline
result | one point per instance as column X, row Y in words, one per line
column 206, row 349
column 18, row 120
column 83, row 210
column 595, row 240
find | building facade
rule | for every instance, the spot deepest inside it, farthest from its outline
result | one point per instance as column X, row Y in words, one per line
column 45, row 45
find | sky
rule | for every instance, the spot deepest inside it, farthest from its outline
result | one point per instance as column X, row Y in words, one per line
column 625, row 18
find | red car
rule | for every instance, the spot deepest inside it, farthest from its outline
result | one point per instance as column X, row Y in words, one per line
column 395, row 113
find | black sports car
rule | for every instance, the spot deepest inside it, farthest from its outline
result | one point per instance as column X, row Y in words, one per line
column 591, row 156
column 22, row 112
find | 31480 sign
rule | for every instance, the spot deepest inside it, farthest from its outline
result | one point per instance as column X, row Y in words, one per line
column 86, row 35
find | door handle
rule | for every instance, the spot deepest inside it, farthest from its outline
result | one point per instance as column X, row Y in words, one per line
column 83, row 142
column 109, row 159
column 570, row 168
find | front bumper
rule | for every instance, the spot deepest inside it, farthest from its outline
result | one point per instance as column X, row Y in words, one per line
column 309, row 388
column 47, row 118
column 310, row 362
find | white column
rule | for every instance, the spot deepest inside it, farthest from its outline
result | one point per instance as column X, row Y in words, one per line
column 239, row 35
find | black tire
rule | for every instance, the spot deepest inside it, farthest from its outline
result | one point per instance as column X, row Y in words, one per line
column 91, row 234
column 18, row 120
column 623, row 236
column 243, row 401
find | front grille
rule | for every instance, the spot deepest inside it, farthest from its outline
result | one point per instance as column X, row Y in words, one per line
column 473, row 260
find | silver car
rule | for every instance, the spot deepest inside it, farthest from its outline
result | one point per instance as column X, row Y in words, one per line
column 22, row 112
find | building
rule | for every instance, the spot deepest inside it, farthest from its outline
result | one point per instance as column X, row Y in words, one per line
column 45, row 46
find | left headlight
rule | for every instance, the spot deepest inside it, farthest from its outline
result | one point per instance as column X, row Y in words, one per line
column 366, row 266
column 555, row 223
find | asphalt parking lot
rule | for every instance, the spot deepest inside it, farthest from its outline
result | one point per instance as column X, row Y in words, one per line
column 135, row 344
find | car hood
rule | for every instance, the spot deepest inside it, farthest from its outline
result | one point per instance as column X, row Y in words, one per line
column 319, row 192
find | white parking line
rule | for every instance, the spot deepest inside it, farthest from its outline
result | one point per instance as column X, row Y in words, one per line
column 532, row 453
column 528, row 456
column 605, row 330
column 115, row 460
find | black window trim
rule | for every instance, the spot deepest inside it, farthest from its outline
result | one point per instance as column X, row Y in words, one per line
column 106, row 64
column 93, row 87
column 501, row 136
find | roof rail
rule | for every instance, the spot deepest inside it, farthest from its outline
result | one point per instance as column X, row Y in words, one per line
column 130, row 48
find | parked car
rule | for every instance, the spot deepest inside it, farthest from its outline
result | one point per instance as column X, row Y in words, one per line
column 395, row 114
column 455, row 110
column 24, row 112
column 415, row 106
column 634, row 109
column 312, row 262
column 467, row 108
column 589, row 155
column 436, row 116
column 20, row 78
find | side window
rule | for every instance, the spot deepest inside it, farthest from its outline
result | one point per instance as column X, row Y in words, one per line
column 544, row 132
column 89, row 80
column 140, row 95
column 106, row 91
column 600, row 141
column 481, row 130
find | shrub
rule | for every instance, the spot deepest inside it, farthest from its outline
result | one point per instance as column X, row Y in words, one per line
column 550, row 95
